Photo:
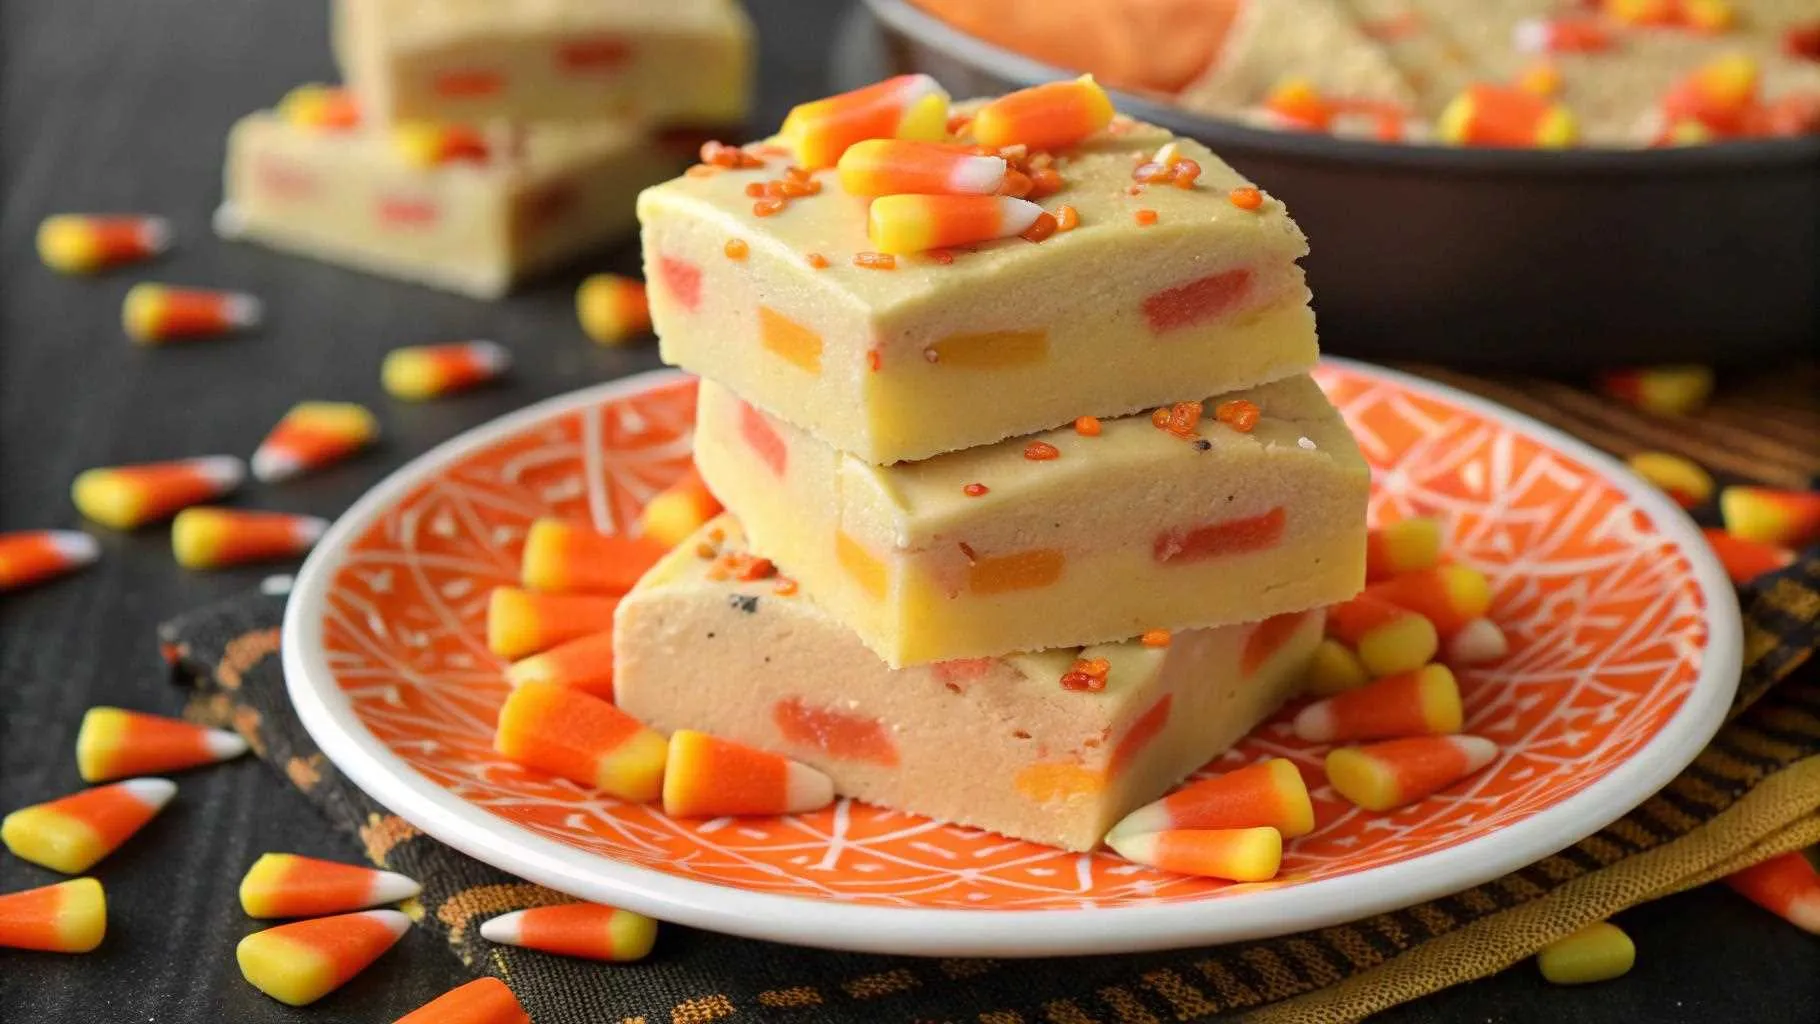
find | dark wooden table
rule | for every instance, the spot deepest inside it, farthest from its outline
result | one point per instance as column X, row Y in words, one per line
column 123, row 106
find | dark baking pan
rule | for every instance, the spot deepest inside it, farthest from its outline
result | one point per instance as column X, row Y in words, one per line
column 1491, row 258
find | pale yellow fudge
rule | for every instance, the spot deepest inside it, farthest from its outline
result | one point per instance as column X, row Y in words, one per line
column 1159, row 294
column 996, row 743
column 1056, row 539
column 474, row 221
column 1315, row 40
column 674, row 62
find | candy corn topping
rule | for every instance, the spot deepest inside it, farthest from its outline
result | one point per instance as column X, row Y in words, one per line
column 1269, row 793
column 1048, row 116
column 1789, row 519
column 1387, row 638
column 523, row 622
column 286, row 885
column 1296, row 103
column 1562, row 35
column 1449, row 596
column 584, row 663
column 709, row 777
column 1679, row 478
column 586, row 930
column 127, row 496
column 75, row 243
column 1239, row 854
column 1664, row 390
column 1745, row 560
column 678, row 510
column 213, row 538
column 481, row 1001
column 113, row 744
column 313, row 435
column 561, row 556
column 33, row 556
column 72, row 833
column 1786, row 885
column 430, row 371
column 883, row 167
column 427, row 144
column 155, row 313
column 1493, row 115
column 1598, row 952
column 1333, row 668
column 1721, row 94
column 69, row 917
column 613, row 309
column 322, row 107
column 583, row 739
column 300, row 963
column 1425, row 701
column 912, row 223
column 906, row 107
column 1394, row 773
column 1404, row 546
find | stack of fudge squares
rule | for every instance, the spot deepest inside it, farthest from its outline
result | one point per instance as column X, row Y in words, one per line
column 1033, row 506
column 476, row 142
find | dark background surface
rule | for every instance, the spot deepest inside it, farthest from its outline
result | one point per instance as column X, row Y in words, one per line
column 106, row 105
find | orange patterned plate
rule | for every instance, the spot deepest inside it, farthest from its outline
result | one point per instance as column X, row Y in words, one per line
column 1625, row 653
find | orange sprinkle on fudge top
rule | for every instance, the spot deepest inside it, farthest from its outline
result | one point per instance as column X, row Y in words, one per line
column 817, row 260
column 974, row 490
column 875, row 260
column 1041, row 451
column 1146, row 217
column 736, row 248
column 1067, row 218
column 1155, row 638
column 1246, row 198
column 1239, row 414
column 1087, row 426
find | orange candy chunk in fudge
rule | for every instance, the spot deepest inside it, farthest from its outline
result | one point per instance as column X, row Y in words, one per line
column 68, row 917
column 1422, row 702
column 114, row 744
column 560, row 557
column 906, row 107
column 587, row 931
column 1396, row 773
column 1238, row 854
column 581, row 738
column 1270, row 793
column 884, row 167
column 839, row 734
column 709, row 777
column 1049, row 116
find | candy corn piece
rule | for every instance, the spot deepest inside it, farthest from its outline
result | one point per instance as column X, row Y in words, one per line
column 1679, row 478
column 155, row 313
column 1643, row 12
column 1563, row 34
column 1450, row 596
column 1710, row 16
column 1386, row 637
column 214, row 538
column 1598, row 952
column 1745, row 560
column 885, row 167
column 1494, row 115
column 114, row 744
column 428, row 144
column 561, row 556
column 1540, row 79
column 33, row 556
column 1479, row 642
column 1238, row 854
column 709, row 777
column 910, row 224
column 1664, row 390
column 75, row 243
column 423, row 372
column 1296, row 103
column 523, row 622
column 678, row 510
column 322, row 107
column 481, row 1001
column 613, row 309
column 584, row 663
column 1721, row 94
column 72, row 833
column 286, row 885
column 585, row 930
column 1333, row 668
column 1789, row 519
column 1269, row 793
column 1786, row 885
column 583, row 739
column 69, row 917
column 905, row 107
column 1404, row 546
column 1419, row 703
column 127, row 496
column 1394, row 773
column 313, row 435
column 301, row 962
column 1048, row 116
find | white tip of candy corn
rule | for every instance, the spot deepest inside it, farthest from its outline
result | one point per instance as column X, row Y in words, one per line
column 76, row 547
column 225, row 471
column 1479, row 642
column 492, row 355
column 1315, row 723
column 228, row 221
column 242, row 310
column 153, row 793
column 506, row 929
column 393, row 921
column 806, row 789
column 390, row 887
column 223, row 745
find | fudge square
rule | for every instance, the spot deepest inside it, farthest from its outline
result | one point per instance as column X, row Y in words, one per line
column 995, row 743
column 966, row 346
column 1055, row 539
column 444, row 206
column 666, row 62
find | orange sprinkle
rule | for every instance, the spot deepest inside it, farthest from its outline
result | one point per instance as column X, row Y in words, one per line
column 1159, row 418
column 1041, row 451
column 1238, row 414
column 794, row 173
column 736, row 248
column 875, row 260
column 1155, row 638
column 1087, row 426
column 705, row 550
column 722, row 155
column 755, row 190
column 1067, row 218
column 1045, row 181
column 974, row 490
column 1134, row 190
column 785, row 586
column 819, row 262
column 1186, row 172
column 767, row 207
column 1146, row 217
column 1246, row 198
column 1017, row 184
column 1183, row 417
column 1041, row 228
column 1095, row 666
column 874, row 361
column 941, row 256
column 1082, row 681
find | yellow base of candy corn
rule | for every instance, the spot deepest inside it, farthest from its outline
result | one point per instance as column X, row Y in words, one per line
column 1599, row 952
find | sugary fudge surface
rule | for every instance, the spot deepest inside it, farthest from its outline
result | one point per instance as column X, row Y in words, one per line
column 1055, row 539
column 996, row 743
column 473, row 222
column 675, row 62
column 1167, row 294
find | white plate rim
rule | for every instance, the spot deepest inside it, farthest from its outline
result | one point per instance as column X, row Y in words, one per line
column 330, row 720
